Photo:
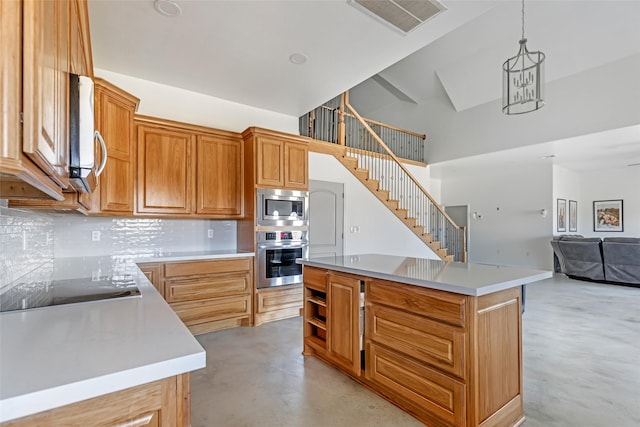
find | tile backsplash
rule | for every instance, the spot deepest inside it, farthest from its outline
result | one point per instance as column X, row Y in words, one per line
column 26, row 242
column 139, row 237
column 29, row 239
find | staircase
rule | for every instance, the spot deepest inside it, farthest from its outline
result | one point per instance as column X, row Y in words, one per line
column 372, row 162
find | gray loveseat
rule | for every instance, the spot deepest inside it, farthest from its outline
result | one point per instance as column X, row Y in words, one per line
column 614, row 259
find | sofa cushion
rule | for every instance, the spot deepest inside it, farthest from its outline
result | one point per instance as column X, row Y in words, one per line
column 582, row 257
column 622, row 259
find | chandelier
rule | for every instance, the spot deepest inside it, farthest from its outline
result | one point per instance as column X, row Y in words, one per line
column 523, row 79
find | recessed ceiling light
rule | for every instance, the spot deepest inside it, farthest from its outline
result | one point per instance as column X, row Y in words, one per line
column 167, row 8
column 548, row 156
column 298, row 58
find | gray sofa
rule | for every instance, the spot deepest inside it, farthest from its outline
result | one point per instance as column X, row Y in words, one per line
column 614, row 259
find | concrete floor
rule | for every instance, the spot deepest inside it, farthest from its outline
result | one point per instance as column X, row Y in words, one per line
column 581, row 351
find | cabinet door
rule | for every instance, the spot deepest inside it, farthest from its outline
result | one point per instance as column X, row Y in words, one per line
column 45, row 86
column 343, row 322
column 270, row 162
column 165, row 175
column 296, row 170
column 78, row 64
column 114, row 118
column 219, row 180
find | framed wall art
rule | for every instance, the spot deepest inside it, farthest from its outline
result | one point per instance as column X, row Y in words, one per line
column 573, row 216
column 607, row 215
column 562, row 215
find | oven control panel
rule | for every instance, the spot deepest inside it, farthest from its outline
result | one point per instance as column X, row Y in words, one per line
column 282, row 236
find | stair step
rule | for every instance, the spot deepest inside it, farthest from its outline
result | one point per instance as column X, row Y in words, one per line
column 361, row 174
column 411, row 222
column 383, row 194
column 372, row 184
column 449, row 258
column 402, row 213
column 392, row 204
column 427, row 237
column 442, row 252
column 350, row 162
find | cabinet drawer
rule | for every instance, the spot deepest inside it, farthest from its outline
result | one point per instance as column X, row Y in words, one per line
column 190, row 268
column 438, row 305
column 433, row 343
column 278, row 299
column 426, row 392
column 205, row 287
column 315, row 278
column 196, row 312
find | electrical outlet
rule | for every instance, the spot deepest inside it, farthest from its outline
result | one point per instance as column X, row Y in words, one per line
column 95, row 236
column 210, row 233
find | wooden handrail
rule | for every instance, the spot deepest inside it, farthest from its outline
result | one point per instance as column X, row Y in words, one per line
column 375, row 122
column 399, row 163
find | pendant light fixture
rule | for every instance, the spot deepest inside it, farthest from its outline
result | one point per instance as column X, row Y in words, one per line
column 523, row 79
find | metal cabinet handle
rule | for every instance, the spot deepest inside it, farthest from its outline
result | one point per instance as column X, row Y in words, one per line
column 103, row 146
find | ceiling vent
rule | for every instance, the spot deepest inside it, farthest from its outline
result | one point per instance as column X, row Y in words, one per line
column 402, row 15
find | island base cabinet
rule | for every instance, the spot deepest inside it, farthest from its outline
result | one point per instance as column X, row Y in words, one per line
column 164, row 403
column 448, row 359
column 431, row 396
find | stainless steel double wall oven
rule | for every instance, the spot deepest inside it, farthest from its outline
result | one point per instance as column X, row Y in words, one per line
column 282, row 236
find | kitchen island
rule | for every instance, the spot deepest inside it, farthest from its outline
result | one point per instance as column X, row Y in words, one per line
column 440, row 340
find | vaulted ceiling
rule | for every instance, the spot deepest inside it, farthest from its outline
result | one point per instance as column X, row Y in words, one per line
column 239, row 50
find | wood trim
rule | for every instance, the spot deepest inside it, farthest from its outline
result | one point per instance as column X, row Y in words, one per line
column 119, row 92
column 10, row 79
column 172, row 125
column 257, row 131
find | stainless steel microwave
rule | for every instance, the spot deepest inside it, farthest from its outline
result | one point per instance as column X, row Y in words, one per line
column 282, row 207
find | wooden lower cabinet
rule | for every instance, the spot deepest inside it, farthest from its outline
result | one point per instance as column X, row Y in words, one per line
column 164, row 403
column 450, row 360
column 210, row 295
column 207, row 295
column 277, row 303
column 153, row 271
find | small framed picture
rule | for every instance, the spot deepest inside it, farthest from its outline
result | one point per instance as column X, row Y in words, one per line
column 607, row 215
column 573, row 216
column 562, row 215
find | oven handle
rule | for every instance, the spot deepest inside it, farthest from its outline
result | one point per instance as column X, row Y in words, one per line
column 282, row 245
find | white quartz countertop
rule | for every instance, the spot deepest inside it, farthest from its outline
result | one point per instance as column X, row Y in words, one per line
column 458, row 277
column 196, row 255
column 54, row 356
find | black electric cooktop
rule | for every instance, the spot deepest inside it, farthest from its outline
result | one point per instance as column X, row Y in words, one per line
column 26, row 296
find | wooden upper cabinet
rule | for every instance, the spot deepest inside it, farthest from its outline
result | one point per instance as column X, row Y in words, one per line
column 220, row 174
column 40, row 43
column 45, row 86
column 296, row 170
column 270, row 158
column 115, row 110
column 165, row 177
column 280, row 160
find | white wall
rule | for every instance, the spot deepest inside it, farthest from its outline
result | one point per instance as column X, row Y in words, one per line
column 173, row 103
column 610, row 184
column 511, row 230
column 380, row 230
column 596, row 100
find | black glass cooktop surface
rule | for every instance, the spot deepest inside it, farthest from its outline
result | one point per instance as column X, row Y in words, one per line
column 26, row 296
